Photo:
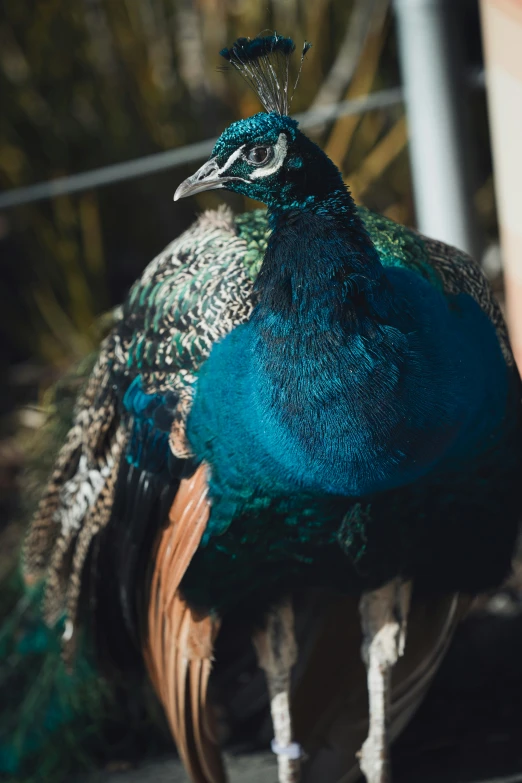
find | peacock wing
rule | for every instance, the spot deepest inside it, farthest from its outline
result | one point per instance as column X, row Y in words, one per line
column 111, row 485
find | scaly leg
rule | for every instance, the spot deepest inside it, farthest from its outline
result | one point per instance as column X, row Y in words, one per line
column 277, row 653
column 384, row 616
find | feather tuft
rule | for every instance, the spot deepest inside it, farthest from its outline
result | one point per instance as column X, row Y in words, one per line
column 264, row 63
column 250, row 49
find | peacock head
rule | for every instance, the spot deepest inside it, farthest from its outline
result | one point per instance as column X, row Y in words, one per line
column 266, row 157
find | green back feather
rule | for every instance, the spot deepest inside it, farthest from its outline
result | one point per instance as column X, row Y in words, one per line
column 396, row 245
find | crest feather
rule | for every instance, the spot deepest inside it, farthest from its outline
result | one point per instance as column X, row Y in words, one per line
column 264, row 63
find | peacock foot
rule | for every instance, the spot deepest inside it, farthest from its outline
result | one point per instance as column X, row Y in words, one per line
column 277, row 653
column 384, row 615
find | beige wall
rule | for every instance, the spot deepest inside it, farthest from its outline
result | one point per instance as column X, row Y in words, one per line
column 502, row 31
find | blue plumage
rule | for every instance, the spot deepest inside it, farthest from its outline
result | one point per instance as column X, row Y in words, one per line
column 357, row 382
column 351, row 382
column 150, row 420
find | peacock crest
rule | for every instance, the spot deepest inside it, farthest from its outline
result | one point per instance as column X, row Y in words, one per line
column 264, row 63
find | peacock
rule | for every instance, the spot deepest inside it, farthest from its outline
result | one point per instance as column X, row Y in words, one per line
column 308, row 406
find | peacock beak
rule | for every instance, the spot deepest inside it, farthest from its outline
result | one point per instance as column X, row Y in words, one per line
column 205, row 178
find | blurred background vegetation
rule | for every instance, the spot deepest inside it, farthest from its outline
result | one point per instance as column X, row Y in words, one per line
column 88, row 83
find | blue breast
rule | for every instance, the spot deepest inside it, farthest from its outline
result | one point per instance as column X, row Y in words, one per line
column 423, row 391
column 150, row 418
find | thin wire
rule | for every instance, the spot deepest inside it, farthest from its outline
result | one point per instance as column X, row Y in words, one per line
column 181, row 156
column 107, row 175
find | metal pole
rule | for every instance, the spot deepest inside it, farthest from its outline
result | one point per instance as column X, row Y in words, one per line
column 438, row 154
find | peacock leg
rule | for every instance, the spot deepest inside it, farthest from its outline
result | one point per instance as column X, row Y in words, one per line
column 277, row 653
column 384, row 616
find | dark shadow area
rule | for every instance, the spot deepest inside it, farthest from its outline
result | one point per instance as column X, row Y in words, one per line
column 470, row 726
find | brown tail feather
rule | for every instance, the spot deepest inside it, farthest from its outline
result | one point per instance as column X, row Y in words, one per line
column 180, row 641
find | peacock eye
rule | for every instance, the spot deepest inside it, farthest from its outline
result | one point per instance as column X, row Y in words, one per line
column 258, row 156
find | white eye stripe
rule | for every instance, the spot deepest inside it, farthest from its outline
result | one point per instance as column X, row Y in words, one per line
column 280, row 150
column 232, row 159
